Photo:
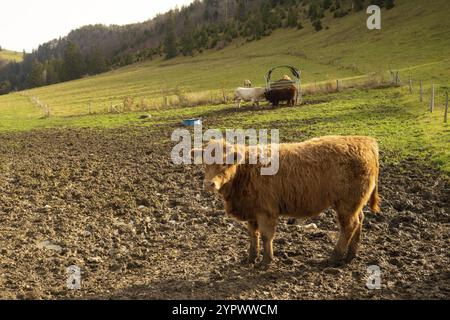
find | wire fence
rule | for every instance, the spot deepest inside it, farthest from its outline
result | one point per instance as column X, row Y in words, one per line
column 436, row 95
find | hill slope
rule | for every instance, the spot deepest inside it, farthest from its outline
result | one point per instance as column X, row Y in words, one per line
column 202, row 25
column 7, row 55
column 413, row 36
column 413, row 40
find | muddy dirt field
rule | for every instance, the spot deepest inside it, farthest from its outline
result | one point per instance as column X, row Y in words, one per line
column 112, row 203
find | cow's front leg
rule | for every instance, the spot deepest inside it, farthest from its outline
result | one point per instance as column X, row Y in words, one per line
column 253, row 252
column 266, row 226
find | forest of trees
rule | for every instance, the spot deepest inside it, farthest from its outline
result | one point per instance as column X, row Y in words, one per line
column 203, row 25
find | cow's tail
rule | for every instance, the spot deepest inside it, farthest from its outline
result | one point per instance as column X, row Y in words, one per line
column 374, row 201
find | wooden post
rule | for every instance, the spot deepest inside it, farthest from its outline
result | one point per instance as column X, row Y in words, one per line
column 410, row 85
column 395, row 78
column 421, row 91
column 432, row 99
column 299, row 96
column 165, row 100
column 446, row 108
column 224, row 94
column 337, row 85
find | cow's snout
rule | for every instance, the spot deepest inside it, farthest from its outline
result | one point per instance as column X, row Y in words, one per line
column 210, row 186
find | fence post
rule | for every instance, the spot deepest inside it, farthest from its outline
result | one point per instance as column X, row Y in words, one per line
column 421, row 91
column 395, row 78
column 432, row 99
column 165, row 100
column 224, row 94
column 338, row 85
column 299, row 96
column 446, row 108
column 410, row 85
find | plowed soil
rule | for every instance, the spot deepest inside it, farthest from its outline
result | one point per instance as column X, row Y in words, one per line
column 139, row 227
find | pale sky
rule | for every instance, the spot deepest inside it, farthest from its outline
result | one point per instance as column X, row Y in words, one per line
column 25, row 24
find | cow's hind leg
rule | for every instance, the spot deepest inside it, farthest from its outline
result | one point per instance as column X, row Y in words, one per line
column 267, row 230
column 348, row 216
column 354, row 242
column 253, row 252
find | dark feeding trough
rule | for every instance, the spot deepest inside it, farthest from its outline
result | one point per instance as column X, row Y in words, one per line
column 192, row 122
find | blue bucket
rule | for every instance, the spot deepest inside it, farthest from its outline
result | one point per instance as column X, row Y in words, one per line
column 192, row 122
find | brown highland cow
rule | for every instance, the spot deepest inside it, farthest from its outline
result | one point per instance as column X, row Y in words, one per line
column 330, row 172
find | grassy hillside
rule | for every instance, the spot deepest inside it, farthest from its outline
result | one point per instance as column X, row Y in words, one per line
column 7, row 55
column 413, row 36
column 413, row 40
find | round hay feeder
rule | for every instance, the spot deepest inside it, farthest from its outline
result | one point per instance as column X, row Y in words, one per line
column 285, row 82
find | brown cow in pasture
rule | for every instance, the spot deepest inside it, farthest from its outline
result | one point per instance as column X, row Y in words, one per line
column 275, row 96
column 339, row 172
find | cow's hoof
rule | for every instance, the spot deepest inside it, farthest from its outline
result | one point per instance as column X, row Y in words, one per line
column 249, row 260
column 336, row 259
column 292, row 221
column 350, row 257
column 264, row 264
column 331, row 262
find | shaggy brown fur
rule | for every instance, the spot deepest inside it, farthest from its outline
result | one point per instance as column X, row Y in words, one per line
column 336, row 172
column 275, row 96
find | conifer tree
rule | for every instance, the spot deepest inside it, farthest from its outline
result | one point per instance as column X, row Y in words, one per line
column 35, row 78
column 73, row 63
column 170, row 40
